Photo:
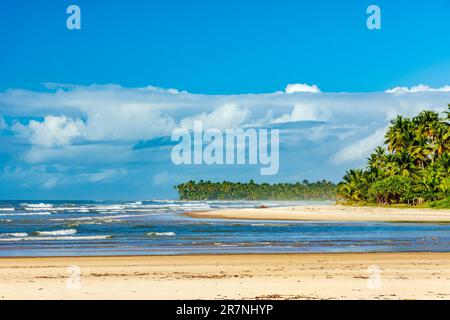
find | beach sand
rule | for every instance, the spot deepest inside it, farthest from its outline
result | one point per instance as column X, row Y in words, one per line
column 330, row 213
column 265, row 276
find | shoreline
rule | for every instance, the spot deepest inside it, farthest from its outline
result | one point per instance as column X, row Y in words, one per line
column 338, row 213
column 229, row 276
column 219, row 254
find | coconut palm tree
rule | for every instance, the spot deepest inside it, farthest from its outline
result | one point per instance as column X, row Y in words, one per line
column 405, row 163
column 399, row 134
column 425, row 122
column 354, row 184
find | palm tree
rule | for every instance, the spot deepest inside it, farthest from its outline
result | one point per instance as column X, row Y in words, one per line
column 441, row 139
column 377, row 158
column 425, row 122
column 354, row 184
column 405, row 163
column 399, row 134
column 420, row 151
column 443, row 165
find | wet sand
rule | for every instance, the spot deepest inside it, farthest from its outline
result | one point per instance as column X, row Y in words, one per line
column 265, row 276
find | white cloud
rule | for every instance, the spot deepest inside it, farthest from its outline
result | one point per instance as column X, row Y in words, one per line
column 301, row 87
column 127, row 121
column 418, row 88
column 228, row 116
column 53, row 131
column 305, row 112
column 361, row 149
column 111, row 119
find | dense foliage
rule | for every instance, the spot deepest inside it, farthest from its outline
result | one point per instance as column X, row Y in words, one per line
column 206, row 190
column 413, row 168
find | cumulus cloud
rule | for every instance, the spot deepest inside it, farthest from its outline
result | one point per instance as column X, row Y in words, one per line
column 127, row 122
column 228, row 116
column 305, row 112
column 301, row 87
column 54, row 131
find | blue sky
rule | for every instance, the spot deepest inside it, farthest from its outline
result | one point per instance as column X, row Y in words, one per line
column 225, row 47
column 74, row 105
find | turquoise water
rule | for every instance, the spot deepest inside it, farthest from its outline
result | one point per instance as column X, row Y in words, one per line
column 71, row 228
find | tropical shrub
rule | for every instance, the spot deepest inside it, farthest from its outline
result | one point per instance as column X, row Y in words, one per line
column 390, row 189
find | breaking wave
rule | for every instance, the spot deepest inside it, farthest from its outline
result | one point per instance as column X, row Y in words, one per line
column 158, row 234
column 25, row 214
column 66, row 238
column 65, row 232
column 13, row 234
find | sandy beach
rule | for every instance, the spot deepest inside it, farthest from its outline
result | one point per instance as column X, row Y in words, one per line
column 243, row 276
column 330, row 213
column 279, row 276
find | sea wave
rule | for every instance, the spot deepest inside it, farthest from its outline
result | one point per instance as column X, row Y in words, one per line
column 137, row 203
column 66, row 238
column 7, row 209
column 13, row 234
column 269, row 224
column 25, row 214
column 220, row 244
column 65, row 232
column 158, row 234
column 77, row 224
column 104, row 218
column 36, row 206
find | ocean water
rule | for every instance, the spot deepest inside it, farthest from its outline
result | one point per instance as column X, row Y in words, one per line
column 158, row 227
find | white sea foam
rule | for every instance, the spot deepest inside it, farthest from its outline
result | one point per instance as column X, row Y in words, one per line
column 70, row 208
column 13, row 234
column 109, row 207
column 104, row 218
column 157, row 234
column 269, row 224
column 25, row 214
column 55, row 238
column 135, row 204
column 7, row 209
column 65, row 232
column 37, row 206
column 220, row 244
column 77, row 224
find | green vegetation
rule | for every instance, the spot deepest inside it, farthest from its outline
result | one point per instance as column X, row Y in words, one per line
column 414, row 168
column 206, row 190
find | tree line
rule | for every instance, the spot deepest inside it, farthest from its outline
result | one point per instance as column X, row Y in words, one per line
column 305, row 190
